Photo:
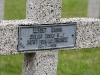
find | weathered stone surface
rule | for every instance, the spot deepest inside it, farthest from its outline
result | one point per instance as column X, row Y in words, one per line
column 9, row 35
column 87, row 34
column 42, row 62
column 94, row 8
column 2, row 9
column 44, row 11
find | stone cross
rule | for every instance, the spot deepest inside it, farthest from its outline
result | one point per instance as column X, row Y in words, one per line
column 94, row 8
column 44, row 62
column 1, row 9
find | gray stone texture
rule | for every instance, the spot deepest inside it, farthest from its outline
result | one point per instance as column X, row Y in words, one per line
column 9, row 35
column 87, row 34
column 42, row 62
column 1, row 9
column 45, row 62
column 94, row 8
column 44, row 11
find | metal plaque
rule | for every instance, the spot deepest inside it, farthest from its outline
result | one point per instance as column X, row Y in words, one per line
column 41, row 37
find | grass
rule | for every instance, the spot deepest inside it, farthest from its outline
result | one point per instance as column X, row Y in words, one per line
column 74, row 8
column 15, row 9
column 72, row 62
column 11, row 65
column 79, row 62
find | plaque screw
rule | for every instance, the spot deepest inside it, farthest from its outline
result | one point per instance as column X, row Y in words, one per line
column 72, row 35
column 20, row 38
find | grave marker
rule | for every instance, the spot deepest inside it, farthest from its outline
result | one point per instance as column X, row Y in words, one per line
column 42, row 12
column 94, row 8
column 86, row 35
column 1, row 9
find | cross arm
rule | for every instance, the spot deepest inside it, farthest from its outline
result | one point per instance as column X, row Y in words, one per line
column 9, row 35
column 87, row 34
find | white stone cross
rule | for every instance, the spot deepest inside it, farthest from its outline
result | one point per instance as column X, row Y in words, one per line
column 1, row 9
column 46, row 12
column 94, row 8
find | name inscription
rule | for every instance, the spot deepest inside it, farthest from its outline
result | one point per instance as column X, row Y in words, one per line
column 42, row 37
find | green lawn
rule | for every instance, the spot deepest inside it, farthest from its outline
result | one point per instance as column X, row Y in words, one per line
column 72, row 62
column 74, row 8
column 79, row 62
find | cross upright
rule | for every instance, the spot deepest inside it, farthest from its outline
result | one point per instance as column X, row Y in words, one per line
column 94, row 8
column 1, row 9
column 46, row 13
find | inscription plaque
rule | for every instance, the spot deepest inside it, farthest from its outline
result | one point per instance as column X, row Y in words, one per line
column 41, row 37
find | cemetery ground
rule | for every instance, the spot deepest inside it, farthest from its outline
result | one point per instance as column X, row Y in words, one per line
column 71, row 62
